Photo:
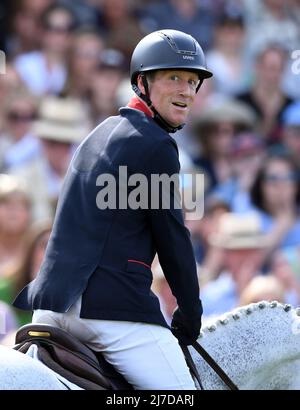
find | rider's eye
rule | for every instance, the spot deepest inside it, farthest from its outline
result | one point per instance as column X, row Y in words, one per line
column 174, row 77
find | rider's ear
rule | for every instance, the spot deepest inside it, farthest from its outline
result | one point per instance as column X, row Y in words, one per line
column 140, row 84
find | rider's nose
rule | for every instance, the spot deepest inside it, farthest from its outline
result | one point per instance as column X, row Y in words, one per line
column 186, row 89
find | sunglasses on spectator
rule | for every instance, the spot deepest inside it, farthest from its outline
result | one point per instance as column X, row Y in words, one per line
column 20, row 117
column 292, row 176
column 55, row 28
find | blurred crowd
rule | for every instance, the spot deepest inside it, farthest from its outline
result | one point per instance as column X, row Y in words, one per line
column 67, row 69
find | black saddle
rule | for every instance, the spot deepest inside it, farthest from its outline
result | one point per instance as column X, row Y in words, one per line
column 70, row 358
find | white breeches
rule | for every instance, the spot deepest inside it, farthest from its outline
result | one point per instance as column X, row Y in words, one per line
column 147, row 355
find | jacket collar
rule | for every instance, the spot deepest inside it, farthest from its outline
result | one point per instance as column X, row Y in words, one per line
column 138, row 104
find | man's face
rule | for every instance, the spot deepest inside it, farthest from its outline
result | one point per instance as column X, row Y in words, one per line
column 172, row 93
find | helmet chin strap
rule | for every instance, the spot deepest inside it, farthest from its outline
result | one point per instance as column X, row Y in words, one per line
column 157, row 117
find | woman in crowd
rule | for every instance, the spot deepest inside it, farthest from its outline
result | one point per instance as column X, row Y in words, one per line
column 276, row 196
column 28, row 266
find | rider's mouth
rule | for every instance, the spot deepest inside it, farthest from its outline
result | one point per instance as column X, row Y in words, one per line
column 180, row 105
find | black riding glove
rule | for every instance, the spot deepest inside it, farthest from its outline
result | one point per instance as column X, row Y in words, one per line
column 186, row 330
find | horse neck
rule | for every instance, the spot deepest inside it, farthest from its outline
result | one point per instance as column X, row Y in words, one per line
column 257, row 346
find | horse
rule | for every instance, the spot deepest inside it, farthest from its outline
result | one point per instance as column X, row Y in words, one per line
column 20, row 371
column 257, row 346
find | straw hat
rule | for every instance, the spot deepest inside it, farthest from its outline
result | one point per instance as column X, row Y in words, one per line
column 61, row 119
column 239, row 231
column 228, row 110
column 10, row 184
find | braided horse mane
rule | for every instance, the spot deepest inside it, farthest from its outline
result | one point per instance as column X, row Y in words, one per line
column 257, row 345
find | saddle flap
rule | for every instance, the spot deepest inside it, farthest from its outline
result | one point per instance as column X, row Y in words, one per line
column 70, row 358
column 75, row 371
column 55, row 334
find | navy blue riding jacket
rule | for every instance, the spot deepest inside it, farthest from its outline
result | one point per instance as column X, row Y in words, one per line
column 105, row 255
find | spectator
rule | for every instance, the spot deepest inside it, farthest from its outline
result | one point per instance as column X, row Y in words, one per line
column 226, row 58
column 84, row 10
column 104, row 85
column 18, row 144
column 247, row 154
column 8, row 83
column 15, row 218
column 208, row 257
column 294, row 10
column 285, row 266
column 276, row 195
column 26, row 268
column 62, row 124
column 44, row 72
column 161, row 288
column 215, row 129
column 260, row 288
column 25, row 29
column 265, row 96
column 87, row 46
column 271, row 23
column 120, row 26
column 242, row 242
column 187, row 15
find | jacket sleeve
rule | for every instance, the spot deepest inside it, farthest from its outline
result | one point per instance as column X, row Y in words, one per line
column 171, row 237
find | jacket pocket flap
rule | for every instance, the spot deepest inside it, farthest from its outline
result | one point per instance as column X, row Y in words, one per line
column 138, row 267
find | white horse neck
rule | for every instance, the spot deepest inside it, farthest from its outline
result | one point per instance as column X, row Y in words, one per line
column 258, row 346
column 20, row 372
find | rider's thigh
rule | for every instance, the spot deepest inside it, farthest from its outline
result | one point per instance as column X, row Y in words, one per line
column 69, row 321
column 147, row 355
column 47, row 317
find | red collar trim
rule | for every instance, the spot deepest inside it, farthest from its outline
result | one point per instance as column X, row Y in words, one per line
column 137, row 104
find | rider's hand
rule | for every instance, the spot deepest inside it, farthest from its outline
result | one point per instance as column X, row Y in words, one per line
column 185, row 329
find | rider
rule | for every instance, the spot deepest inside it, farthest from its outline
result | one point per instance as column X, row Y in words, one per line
column 95, row 279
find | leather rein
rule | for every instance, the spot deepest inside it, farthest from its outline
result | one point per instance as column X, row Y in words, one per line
column 210, row 361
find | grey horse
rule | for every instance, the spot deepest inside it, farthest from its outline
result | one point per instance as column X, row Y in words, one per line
column 258, row 346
